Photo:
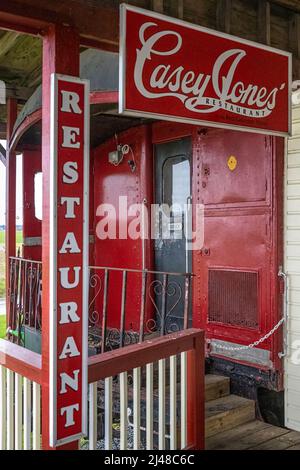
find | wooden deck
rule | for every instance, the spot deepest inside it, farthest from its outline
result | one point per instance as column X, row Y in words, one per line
column 255, row 435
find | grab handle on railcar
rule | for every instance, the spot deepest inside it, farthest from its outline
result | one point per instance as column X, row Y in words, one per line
column 284, row 277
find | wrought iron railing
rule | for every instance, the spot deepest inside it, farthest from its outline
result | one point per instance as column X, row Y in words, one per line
column 125, row 305
column 25, row 289
column 129, row 305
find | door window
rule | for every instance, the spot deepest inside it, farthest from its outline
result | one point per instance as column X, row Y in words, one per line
column 176, row 182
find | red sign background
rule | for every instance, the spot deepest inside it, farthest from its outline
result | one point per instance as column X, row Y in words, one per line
column 257, row 72
column 65, row 187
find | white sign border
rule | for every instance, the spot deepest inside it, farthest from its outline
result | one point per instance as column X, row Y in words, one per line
column 53, row 442
column 122, row 74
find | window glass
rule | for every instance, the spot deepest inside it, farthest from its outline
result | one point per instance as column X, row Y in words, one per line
column 38, row 185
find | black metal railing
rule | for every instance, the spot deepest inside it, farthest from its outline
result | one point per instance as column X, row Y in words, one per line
column 25, row 303
column 125, row 305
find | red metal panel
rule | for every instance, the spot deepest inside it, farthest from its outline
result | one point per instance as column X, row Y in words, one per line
column 248, row 182
column 111, row 182
column 243, row 222
column 32, row 227
column 240, row 227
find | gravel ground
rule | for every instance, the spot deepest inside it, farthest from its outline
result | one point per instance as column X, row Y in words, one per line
column 115, row 442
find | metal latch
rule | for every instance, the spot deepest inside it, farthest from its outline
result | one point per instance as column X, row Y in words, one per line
column 284, row 292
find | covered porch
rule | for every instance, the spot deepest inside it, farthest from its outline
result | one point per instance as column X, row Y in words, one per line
column 147, row 302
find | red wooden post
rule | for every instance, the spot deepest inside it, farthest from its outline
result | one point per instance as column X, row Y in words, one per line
column 60, row 55
column 10, row 234
column 196, row 395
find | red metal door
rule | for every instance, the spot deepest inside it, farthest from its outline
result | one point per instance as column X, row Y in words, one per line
column 235, row 296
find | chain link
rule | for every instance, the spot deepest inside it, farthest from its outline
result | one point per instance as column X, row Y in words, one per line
column 252, row 345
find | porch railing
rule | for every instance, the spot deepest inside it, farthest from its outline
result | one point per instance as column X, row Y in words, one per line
column 20, row 398
column 126, row 306
column 149, row 402
column 129, row 305
column 25, row 289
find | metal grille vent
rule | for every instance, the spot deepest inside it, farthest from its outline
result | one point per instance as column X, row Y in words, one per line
column 233, row 298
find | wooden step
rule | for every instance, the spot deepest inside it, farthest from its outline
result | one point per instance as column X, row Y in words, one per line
column 255, row 435
column 227, row 413
column 216, row 386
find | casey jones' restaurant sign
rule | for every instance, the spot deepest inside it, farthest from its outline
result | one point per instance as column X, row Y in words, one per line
column 68, row 258
column 173, row 70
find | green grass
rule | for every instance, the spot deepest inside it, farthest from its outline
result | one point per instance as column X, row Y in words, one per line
column 19, row 237
column 19, row 240
column 2, row 326
column 2, row 288
column 2, row 274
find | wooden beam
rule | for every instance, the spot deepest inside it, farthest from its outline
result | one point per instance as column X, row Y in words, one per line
column 10, row 234
column 21, row 360
column 2, row 131
column 137, row 355
column 223, row 15
column 7, row 41
column 60, row 55
column 98, row 25
column 294, row 34
column 2, row 154
column 180, row 8
column 20, row 93
column 157, row 5
column 289, row 4
column 263, row 22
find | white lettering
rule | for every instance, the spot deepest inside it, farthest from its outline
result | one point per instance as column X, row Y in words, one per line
column 70, row 172
column 190, row 87
column 70, row 102
column 68, row 381
column 69, row 137
column 68, row 313
column 70, row 349
column 69, row 410
column 64, row 277
column 71, row 201
column 70, row 244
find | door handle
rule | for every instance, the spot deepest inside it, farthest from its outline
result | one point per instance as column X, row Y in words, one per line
column 189, row 200
column 284, row 277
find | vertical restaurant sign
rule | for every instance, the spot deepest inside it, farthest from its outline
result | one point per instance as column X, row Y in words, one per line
column 174, row 70
column 69, row 173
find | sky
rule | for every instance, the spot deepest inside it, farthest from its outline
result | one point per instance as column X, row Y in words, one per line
column 19, row 199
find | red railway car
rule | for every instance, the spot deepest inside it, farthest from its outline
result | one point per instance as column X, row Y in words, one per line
column 235, row 290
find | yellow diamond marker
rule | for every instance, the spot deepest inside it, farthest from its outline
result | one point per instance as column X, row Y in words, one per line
column 232, row 163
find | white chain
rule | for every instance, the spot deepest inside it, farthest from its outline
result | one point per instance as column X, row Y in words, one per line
column 252, row 345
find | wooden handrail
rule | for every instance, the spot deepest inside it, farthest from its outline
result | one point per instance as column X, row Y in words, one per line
column 28, row 364
column 137, row 355
column 114, row 362
column 20, row 360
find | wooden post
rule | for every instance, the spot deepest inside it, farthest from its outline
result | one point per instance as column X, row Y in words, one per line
column 157, row 5
column 294, row 42
column 224, row 15
column 10, row 234
column 196, row 395
column 294, row 35
column 263, row 22
column 180, row 8
column 60, row 55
